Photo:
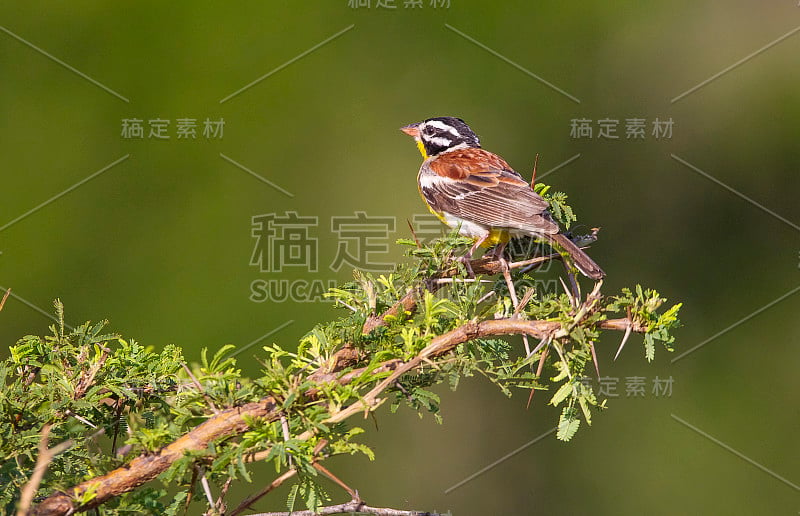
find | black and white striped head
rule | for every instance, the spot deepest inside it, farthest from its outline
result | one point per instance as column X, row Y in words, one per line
column 441, row 134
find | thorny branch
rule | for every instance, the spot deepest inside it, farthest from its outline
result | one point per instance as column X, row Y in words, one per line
column 232, row 421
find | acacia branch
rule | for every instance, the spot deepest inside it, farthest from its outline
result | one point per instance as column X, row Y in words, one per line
column 231, row 421
column 145, row 468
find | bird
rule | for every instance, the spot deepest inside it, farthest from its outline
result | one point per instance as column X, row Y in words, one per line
column 478, row 193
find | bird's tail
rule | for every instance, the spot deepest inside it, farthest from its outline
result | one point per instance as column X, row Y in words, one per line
column 581, row 260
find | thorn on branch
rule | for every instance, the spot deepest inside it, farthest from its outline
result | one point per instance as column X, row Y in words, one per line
column 538, row 370
column 533, row 176
column 625, row 337
column 413, row 234
column 206, row 488
column 5, row 296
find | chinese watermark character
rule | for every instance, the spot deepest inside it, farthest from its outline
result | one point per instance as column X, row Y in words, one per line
column 392, row 4
column 608, row 128
column 158, row 128
column 662, row 129
column 362, row 231
column 608, row 387
column 581, row 128
column 213, row 128
column 635, row 386
column 634, row 128
column 284, row 242
column 662, row 387
column 132, row 128
column 186, row 128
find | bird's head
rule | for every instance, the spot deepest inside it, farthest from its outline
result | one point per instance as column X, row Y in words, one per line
column 441, row 134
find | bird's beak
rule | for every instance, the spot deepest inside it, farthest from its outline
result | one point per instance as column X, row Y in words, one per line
column 411, row 130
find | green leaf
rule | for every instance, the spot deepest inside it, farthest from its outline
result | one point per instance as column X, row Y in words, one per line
column 587, row 413
column 568, row 424
column 649, row 347
column 561, row 394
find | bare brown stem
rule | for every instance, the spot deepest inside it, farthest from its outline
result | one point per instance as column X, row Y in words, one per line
column 250, row 500
column 42, row 461
column 350, row 508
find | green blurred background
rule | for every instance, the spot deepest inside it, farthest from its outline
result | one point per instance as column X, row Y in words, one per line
column 161, row 243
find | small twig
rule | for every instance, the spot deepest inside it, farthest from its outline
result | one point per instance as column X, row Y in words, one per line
column 340, row 302
column 538, row 371
column 190, row 491
column 535, row 261
column 563, row 359
column 87, row 377
column 350, row 508
column 42, row 461
column 486, row 296
column 85, row 421
column 587, row 306
column 403, row 390
column 442, row 281
column 250, row 500
column 286, row 435
column 572, row 300
column 526, row 298
column 533, row 177
column 352, row 492
column 405, row 304
column 117, row 415
column 5, row 296
column 220, row 505
column 576, row 289
column 431, row 363
column 512, row 291
column 206, row 488
column 413, row 234
column 199, row 386
column 521, row 306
